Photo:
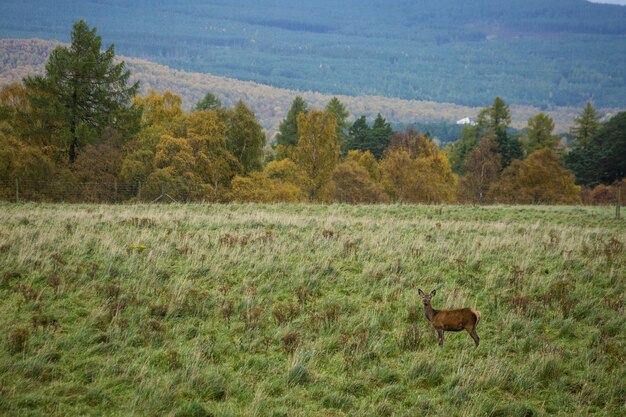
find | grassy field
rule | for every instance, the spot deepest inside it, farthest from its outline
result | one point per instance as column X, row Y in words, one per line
column 288, row 310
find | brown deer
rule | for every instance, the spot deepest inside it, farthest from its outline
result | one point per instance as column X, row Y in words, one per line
column 451, row 320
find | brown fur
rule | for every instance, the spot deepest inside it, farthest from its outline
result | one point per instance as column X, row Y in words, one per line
column 451, row 320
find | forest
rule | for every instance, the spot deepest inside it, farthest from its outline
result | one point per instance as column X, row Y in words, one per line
column 545, row 54
column 81, row 132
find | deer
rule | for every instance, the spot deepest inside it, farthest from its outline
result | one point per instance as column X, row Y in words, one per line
column 451, row 320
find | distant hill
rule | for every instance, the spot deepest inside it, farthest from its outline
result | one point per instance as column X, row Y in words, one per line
column 19, row 58
column 543, row 53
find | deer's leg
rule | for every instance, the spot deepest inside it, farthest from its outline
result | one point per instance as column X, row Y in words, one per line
column 440, row 333
column 472, row 332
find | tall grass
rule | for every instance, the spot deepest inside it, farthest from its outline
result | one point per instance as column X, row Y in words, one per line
column 298, row 310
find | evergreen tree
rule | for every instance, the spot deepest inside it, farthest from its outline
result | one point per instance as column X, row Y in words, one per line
column 82, row 92
column 358, row 135
column 336, row 108
column 603, row 159
column 209, row 102
column 585, row 126
column 288, row 129
column 379, row 137
column 539, row 133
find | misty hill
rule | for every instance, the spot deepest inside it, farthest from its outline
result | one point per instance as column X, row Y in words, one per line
column 19, row 58
column 539, row 52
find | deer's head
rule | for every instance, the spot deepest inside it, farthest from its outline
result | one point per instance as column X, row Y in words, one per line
column 426, row 298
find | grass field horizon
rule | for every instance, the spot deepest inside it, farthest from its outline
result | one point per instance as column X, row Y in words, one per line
column 309, row 310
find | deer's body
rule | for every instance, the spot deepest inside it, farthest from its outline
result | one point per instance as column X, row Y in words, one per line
column 451, row 320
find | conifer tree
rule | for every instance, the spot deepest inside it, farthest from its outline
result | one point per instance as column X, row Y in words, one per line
column 288, row 129
column 585, row 126
column 82, row 92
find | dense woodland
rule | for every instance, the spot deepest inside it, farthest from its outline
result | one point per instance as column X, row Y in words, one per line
column 541, row 53
column 81, row 132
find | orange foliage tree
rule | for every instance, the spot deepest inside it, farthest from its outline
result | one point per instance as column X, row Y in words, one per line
column 482, row 170
column 415, row 170
column 539, row 179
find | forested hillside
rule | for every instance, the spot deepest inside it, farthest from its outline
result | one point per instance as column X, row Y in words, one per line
column 19, row 58
column 541, row 53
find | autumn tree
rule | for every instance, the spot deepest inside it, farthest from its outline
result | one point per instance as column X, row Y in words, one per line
column 162, row 115
column 245, row 138
column 353, row 184
column 366, row 160
column 539, row 133
column 317, row 150
column 585, row 126
column 82, row 92
column 414, row 170
column 482, row 169
column 539, row 179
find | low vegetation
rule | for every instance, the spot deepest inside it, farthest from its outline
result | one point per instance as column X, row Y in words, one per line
column 305, row 310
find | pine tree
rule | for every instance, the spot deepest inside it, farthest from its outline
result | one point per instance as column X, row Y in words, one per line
column 209, row 102
column 585, row 126
column 336, row 108
column 82, row 92
column 379, row 137
column 358, row 135
column 288, row 129
column 539, row 133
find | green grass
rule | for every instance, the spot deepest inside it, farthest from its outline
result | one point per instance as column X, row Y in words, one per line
column 298, row 310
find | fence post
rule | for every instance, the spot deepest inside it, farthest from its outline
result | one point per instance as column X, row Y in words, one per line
column 17, row 190
column 115, row 191
column 139, row 191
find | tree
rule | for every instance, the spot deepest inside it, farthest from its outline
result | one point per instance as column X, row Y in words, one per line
column 482, row 169
column 317, row 151
column 209, row 102
column 337, row 109
column 585, row 126
column 288, row 129
column 414, row 171
column 82, row 92
column 539, row 133
column 358, row 135
column 245, row 138
column 379, row 136
column 602, row 159
column 497, row 117
column 354, row 185
column 458, row 151
column 539, row 179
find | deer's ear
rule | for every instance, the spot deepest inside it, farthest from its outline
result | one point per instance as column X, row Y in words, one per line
column 432, row 294
column 420, row 292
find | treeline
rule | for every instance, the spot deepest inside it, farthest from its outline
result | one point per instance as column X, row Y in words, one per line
column 83, row 122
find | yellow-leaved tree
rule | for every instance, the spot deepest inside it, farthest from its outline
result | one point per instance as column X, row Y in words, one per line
column 317, row 151
column 539, row 179
column 415, row 170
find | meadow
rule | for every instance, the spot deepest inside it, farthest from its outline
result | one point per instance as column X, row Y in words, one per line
column 305, row 310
